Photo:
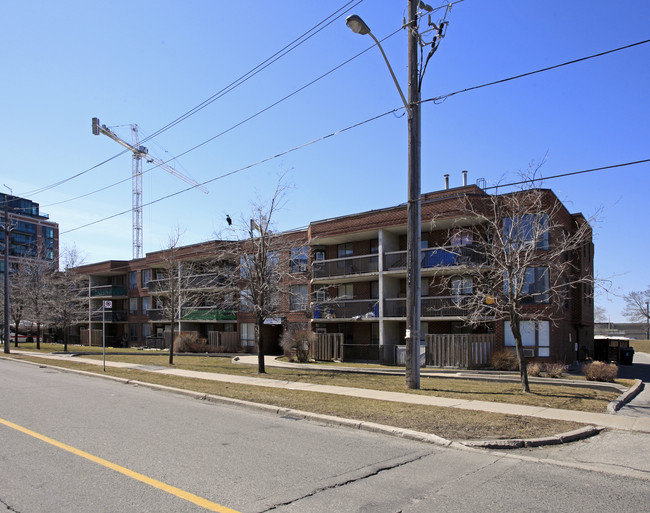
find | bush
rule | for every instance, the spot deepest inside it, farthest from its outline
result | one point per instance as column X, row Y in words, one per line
column 189, row 343
column 554, row 370
column 505, row 359
column 298, row 342
column 600, row 371
column 534, row 369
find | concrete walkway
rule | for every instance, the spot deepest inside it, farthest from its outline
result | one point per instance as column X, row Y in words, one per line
column 621, row 422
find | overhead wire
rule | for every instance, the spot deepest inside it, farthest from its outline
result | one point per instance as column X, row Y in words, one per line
column 236, row 83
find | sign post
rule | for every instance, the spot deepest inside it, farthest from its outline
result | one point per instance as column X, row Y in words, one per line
column 106, row 305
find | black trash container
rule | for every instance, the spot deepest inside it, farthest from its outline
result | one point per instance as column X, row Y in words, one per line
column 626, row 355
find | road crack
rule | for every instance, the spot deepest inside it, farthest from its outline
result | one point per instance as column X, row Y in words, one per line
column 9, row 507
column 376, row 469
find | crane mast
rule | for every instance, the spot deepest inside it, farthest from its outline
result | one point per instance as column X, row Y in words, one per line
column 136, row 177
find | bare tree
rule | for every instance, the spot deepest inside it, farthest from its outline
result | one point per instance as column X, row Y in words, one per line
column 263, row 270
column 637, row 307
column 600, row 314
column 66, row 304
column 520, row 259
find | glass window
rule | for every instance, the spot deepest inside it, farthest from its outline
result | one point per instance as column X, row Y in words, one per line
column 374, row 290
column 133, row 280
column 146, row 304
column 526, row 231
column 535, row 286
column 246, row 301
column 146, row 330
column 299, row 297
column 461, row 286
column 534, row 334
column 247, row 334
column 299, row 259
column 133, row 305
column 346, row 291
column 145, row 276
column 461, row 238
column 133, row 332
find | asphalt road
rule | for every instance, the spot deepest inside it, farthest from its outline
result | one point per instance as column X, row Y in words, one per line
column 146, row 450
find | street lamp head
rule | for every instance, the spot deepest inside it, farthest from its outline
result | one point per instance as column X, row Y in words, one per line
column 357, row 25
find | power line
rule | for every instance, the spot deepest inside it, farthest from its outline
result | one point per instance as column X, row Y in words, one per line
column 236, row 83
column 249, row 166
column 440, row 99
column 541, row 179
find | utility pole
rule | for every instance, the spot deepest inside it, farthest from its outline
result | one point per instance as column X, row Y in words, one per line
column 413, row 207
column 7, row 229
column 647, row 320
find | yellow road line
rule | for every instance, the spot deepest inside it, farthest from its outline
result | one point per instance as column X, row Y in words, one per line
column 199, row 501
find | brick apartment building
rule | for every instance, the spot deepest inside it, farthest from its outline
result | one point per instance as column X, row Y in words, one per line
column 348, row 275
column 33, row 235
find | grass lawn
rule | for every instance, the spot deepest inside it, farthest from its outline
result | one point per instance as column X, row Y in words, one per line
column 448, row 423
column 642, row 346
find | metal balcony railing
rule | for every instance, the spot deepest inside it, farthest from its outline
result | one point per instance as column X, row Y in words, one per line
column 348, row 266
column 439, row 306
column 347, row 309
column 448, row 256
column 110, row 316
column 197, row 282
column 107, row 291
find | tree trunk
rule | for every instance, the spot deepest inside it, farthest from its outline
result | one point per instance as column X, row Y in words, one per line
column 171, row 344
column 17, row 324
column 38, row 336
column 260, row 345
column 523, row 364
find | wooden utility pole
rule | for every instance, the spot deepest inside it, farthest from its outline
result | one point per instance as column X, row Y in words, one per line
column 413, row 209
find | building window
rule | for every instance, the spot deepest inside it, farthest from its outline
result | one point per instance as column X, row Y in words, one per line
column 299, row 259
column 535, row 286
column 245, row 301
column 535, row 337
column 461, row 286
column 461, row 238
column 133, row 305
column 374, row 290
column 247, row 334
column 133, row 332
column 146, row 330
column 145, row 276
column 299, row 298
column 133, row 280
column 346, row 291
column 146, row 304
column 526, row 231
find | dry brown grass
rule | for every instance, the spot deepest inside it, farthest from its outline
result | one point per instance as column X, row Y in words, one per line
column 449, row 423
column 642, row 346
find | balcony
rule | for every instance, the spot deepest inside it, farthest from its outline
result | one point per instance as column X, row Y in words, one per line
column 342, row 267
column 347, row 309
column 431, row 258
column 197, row 282
column 198, row 314
column 439, row 306
column 107, row 291
column 109, row 316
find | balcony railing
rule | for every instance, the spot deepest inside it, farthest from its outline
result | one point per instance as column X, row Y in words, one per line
column 109, row 316
column 347, row 309
column 448, row 256
column 348, row 266
column 210, row 314
column 107, row 291
column 197, row 282
column 439, row 306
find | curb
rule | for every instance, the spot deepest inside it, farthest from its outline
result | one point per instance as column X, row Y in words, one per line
column 562, row 438
column 331, row 420
column 625, row 397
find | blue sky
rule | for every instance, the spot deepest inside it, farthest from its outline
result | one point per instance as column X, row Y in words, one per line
column 149, row 62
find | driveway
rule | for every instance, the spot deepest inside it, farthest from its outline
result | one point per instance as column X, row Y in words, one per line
column 640, row 369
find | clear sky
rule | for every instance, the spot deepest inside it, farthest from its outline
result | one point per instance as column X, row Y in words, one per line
column 149, row 62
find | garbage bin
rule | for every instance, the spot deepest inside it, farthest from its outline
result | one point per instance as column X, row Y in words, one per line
column 626, row 355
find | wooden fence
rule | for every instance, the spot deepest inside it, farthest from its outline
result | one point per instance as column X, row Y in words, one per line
column 327, row 347
column 459, row 351
column 227, row 340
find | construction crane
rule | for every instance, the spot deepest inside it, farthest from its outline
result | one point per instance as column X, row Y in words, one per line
column 139, row 153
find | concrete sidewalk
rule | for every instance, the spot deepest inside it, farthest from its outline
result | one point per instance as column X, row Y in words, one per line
column 629, row 423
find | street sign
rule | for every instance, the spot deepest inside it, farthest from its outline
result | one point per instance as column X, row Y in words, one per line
column 108, row 304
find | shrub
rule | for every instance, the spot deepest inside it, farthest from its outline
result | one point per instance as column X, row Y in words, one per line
column 189, row 343
column 298, row 342
column 504, row 359
column 600, row 371
column 554, row 370
column 534, row 369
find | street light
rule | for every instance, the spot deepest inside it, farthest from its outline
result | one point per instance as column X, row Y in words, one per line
column 357, row 25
